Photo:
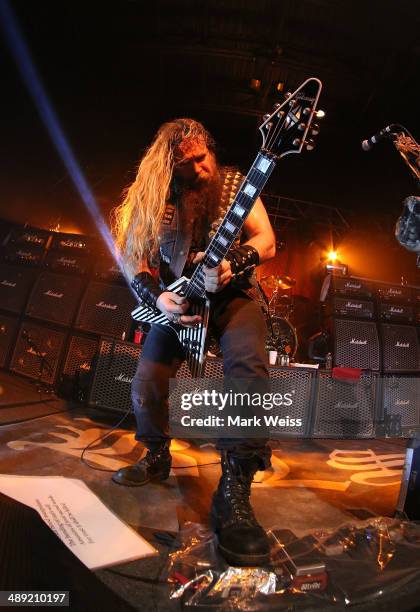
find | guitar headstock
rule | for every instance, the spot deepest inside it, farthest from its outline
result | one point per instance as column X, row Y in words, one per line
column 290, row 128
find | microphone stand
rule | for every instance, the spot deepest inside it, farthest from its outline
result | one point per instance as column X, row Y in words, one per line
column 43, row 364
column 409, row 150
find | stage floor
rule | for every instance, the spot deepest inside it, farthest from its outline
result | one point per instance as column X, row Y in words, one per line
column 313, row 484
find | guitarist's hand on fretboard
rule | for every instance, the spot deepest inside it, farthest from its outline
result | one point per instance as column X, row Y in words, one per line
column 174, row 307
column 216, row 278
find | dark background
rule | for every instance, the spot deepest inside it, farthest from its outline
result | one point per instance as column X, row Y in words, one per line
column 114, row 71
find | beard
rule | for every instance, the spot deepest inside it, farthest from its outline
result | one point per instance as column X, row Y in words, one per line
column 200, row 203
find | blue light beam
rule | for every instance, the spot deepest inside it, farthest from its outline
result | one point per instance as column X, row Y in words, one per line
column 32, row 80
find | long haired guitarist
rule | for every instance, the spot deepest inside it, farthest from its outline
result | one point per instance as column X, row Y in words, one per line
column 167, row 219
column 184, row 210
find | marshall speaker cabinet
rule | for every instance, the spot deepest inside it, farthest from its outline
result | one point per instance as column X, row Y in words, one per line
column 38, row 352
column 8, row 329
column 55, row 298
column 401, row 397
column 106, row 310
column 78, row 368
column 345, row 409
column 400, row 348
column 115, row 368
column 355, row 344
column 15, row 284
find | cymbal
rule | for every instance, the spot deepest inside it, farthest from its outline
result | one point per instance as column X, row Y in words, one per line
column 278, row 282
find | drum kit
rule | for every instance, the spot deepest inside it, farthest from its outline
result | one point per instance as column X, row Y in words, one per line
column 281, row 334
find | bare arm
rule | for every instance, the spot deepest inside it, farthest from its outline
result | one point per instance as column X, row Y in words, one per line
column 259, row 233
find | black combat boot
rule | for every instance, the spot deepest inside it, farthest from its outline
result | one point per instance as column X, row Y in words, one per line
column 242, row 540
column 156, row 465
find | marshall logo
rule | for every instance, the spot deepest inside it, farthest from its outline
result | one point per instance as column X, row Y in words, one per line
column 67, row 262
column 402, row 344
column 27, row 255
column 73, row 244
column 123, row 378
column 54, row 294
column 7, row 283
column 346, row 405
column 353, row 285
column 396, row 310
column 402, row 402
column 33, row 238
column 394, row 291
column 357, row 341
column 102, row 304
column 354, row 305
column 32, row 351
column 85, row 366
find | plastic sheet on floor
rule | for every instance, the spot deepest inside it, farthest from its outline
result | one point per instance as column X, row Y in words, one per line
column 357, row 563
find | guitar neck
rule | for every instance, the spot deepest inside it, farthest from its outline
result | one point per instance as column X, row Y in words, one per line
column 233, row 221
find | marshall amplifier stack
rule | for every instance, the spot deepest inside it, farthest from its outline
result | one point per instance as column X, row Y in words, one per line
column 373, row 325
column 52, row 309
column 351, row 321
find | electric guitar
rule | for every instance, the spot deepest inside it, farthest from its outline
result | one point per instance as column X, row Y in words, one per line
column 288, row 129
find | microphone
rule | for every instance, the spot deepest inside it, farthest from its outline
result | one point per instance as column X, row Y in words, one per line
column 386, row 132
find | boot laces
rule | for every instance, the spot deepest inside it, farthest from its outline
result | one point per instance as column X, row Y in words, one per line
column 152, row 457
column 238, row 492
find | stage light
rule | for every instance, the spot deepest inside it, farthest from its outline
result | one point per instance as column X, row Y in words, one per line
column 279, row 86
column 332, row 256
column 320, row 114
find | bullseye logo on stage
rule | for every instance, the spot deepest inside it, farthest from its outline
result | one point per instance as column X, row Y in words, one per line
column 235, row 408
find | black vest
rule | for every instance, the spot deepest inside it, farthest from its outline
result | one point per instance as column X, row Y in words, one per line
column 175, row 238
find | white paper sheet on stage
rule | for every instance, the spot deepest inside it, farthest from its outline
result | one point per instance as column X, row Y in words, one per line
column 79, row 518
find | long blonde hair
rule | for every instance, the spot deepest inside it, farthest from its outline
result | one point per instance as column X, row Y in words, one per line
column 135, row 222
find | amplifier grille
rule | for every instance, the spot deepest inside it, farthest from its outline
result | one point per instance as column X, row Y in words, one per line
column 356, row 344
column 115, row 368
column 401, row 396
column 345, row 410
column 106, row 309
column 55, row 298
column 401, row 351
column 37, row 353
column 8, row 329
column 15, row 284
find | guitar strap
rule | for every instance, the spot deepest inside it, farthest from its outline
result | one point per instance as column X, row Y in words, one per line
column 181, row 246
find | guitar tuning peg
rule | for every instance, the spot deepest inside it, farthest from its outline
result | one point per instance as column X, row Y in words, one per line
column 288, row 94
column 296, row 142
column 301, row 126
column 310, row 145
column 314, row 129
column 267, row 116
column 320, row 114
column 277, row 105
column 306, row 110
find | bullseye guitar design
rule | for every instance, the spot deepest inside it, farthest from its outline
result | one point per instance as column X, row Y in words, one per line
column 288, row 129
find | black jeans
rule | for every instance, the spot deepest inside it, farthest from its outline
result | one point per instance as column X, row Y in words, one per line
column 239, row 324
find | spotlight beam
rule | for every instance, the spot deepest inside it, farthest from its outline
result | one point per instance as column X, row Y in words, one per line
column 32, row 80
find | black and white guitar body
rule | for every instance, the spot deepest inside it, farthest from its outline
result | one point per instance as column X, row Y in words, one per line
column 192, row 339
column 287, row 130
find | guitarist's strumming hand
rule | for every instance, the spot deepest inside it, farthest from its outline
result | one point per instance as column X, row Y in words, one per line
column 217, row 278
column 174, row 307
